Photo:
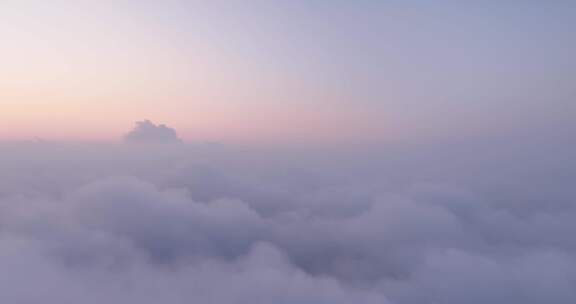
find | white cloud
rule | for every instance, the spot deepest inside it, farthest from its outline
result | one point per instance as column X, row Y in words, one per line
column 249, row 229
column 147, row 132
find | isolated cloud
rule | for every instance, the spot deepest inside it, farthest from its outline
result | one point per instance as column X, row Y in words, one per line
column 147, row 132
column 219, row 226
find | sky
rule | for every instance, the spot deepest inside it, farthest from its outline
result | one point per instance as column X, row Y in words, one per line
column 286, row 71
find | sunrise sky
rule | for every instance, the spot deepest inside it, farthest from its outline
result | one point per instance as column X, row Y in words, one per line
column 273, row 71
column 287, row 151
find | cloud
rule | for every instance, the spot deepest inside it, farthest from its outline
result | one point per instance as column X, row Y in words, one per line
column 177, row 223
column 165, row 246
column 147, row 132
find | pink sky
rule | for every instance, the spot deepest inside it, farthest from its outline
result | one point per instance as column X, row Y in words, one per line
column 252, row 71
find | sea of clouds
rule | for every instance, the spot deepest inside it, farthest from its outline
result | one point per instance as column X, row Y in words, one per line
column 445, row 223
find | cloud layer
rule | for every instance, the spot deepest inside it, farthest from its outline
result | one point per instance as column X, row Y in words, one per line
column 182, row 224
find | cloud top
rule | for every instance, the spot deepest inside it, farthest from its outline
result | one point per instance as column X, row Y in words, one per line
column 191, row 224
column 147, row 132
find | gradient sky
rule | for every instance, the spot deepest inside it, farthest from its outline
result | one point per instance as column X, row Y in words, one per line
column 282, row 71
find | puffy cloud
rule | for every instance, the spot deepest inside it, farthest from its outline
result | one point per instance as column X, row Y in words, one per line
column 147, row 132
column 186, row 225
column 161, row 245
